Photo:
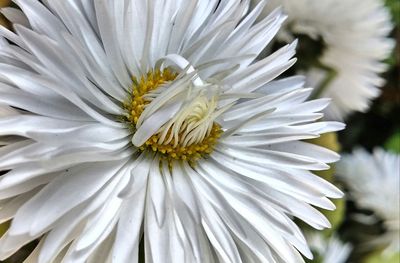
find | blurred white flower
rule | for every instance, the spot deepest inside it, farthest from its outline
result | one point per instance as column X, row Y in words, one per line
column 374, row 184
column 151, row 121
column 328, row 250
column 354, row 33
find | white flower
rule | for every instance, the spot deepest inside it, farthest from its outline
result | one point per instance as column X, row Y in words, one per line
column 374, row 182
column 354, row 33
column 151, row 121
column 329, row 250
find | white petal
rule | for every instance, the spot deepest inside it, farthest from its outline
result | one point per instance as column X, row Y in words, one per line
column 73, row 187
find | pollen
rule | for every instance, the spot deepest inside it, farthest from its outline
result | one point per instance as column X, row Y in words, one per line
column 190, row 152
column 176, row 140
column 141, row 87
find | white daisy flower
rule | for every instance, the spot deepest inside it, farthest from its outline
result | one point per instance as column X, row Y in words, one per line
column 354, row 33
column 329, row 250
column 374, row 181
column 151, row 121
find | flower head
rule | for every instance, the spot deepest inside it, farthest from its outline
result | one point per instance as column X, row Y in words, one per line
column 354, row 34
column 151, row 121
column 373, row 181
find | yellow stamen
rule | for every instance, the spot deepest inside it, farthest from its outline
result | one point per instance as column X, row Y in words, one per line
column 154, row 79
column 173, row 149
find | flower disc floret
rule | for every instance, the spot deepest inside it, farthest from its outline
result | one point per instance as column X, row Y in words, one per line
column 179, row 139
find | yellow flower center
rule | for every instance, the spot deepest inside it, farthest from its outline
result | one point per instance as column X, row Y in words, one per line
column 190, row 135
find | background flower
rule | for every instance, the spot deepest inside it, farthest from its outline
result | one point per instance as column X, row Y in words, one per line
column 349, row 43
column 329, row 250
column 374, row 182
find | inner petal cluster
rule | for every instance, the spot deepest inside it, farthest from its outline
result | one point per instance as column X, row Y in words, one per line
column 191, row 134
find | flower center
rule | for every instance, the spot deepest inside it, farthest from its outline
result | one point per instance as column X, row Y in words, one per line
column 191, row 133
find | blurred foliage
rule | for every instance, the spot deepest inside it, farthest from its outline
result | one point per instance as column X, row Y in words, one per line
column 4, row 227
column 380, row 257
column 3, row 20
column 22, row 254
column 5, row 3
column 308, row 51
column 394, row 6
column 335, row 217
column 328, row 140
column 393, row 144
column 317, row 258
